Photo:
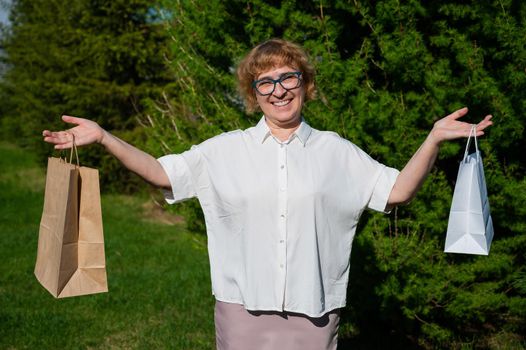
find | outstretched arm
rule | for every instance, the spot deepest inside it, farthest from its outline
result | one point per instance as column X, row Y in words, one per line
column 87, row 132
column 416, row 170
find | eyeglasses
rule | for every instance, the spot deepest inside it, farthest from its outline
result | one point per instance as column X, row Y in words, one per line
column 288, row 81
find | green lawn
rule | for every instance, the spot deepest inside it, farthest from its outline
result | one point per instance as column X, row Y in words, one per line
column 158, row 275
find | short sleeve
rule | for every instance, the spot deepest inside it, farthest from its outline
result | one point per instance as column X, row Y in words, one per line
column 180, row 175
column 376, row 179
column 385, row 180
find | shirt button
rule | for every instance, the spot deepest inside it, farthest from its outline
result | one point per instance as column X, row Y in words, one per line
column 282, row 189
column 283, row 216
column 282, row 167
column 281, row 145
column 281, row 265
column 281, row 241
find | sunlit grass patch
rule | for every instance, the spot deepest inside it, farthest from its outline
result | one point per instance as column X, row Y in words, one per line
column 158, row 275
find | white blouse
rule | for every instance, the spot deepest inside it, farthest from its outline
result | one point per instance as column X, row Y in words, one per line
column 280, row 216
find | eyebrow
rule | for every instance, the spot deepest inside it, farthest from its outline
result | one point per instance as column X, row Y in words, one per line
column 282, row 74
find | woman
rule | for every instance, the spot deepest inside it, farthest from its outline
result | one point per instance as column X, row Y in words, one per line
column 281, row 202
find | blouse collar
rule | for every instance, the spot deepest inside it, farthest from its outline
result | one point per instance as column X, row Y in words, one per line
column 262, row 131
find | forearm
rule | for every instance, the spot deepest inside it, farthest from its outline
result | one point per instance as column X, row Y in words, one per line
column 141, row 163
column 414, row 173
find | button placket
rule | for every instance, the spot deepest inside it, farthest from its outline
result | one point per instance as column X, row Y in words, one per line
column 282, row 210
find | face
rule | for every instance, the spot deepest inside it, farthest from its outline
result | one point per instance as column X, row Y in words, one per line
column 282, row 107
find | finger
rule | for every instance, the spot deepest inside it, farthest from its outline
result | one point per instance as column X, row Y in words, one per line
column 72, row 120
column 57, row 137
column 458, row 113
column 48, row 133
column 486, row 119
column 485, row 123
column 56, row 141
column 63, row 146
column 456, row 134
column 60, row 135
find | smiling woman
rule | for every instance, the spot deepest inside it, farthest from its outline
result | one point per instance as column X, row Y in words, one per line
column 282, row 202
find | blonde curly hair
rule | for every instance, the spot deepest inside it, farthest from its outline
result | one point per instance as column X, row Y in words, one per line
column 267, row 55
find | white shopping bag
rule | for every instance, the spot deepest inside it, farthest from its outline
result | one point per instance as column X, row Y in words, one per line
column 470, row 229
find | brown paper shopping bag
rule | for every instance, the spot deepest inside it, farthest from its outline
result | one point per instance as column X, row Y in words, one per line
column 70, row 257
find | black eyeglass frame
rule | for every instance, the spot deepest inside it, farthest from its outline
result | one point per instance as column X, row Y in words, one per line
column 279, row 80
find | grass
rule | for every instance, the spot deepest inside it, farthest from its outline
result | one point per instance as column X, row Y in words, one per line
column 158, row 275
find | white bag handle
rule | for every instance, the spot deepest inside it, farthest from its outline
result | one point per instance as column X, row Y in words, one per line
column 473, row 132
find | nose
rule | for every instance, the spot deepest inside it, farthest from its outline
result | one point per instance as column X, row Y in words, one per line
column 279, row 91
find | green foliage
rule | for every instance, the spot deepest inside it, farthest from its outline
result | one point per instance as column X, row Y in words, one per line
column 94, row 59
column 201, row 99
column 386, row 71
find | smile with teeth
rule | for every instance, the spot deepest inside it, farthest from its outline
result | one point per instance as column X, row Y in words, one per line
column 281, row 103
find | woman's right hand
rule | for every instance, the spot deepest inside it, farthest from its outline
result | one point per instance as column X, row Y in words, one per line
column 86, row 132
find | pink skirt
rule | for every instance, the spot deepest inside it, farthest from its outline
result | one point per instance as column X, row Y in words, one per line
column 239, row 329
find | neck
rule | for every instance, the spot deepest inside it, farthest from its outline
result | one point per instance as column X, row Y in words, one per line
column 283, row 131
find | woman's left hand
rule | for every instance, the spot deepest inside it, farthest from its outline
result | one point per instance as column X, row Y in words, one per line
column 449, row 128
column 416, row 170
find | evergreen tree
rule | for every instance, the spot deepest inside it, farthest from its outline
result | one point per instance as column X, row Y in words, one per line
column 94, row 59
column 386, row 71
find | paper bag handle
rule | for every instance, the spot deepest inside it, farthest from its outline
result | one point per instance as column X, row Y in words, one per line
column 472, row 133
column 73, row 149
